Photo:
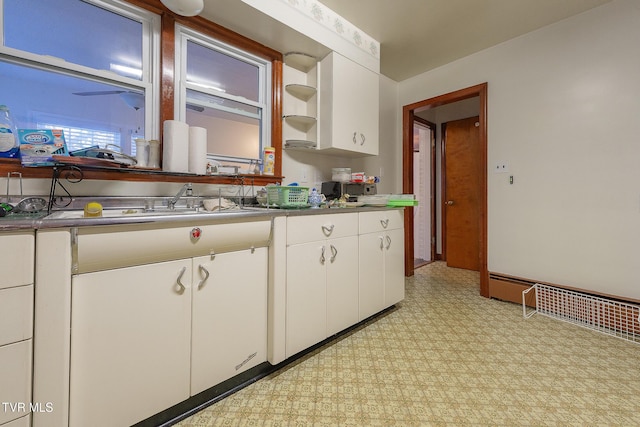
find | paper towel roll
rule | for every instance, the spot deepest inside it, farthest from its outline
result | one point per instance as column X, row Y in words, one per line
column 175, row 146
column 197, row 150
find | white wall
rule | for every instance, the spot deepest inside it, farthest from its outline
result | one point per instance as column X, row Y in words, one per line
column 564, row 113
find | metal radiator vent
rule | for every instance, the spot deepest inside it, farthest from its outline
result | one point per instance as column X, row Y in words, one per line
column 607, row 316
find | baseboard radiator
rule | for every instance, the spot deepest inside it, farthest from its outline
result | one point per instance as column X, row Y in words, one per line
column 608, row 316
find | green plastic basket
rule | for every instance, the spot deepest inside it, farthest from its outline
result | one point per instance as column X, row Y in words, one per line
column 287, row 196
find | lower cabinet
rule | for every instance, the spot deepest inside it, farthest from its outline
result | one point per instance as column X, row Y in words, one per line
column 16, row 327
column 322, row 279
column 144, row 338
column 381, row 260
column 229, row 328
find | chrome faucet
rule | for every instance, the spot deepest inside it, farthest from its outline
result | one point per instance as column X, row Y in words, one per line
column 186, row 189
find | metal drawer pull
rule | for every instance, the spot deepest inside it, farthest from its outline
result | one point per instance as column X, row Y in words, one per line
column 206, row 276
column 363, row 138
column 334, row 253
column 327, row 230
column 381, row 242
column 388, row 242
column 322, row 258
column 384, row 222
column 181, row 288
column 354, row 137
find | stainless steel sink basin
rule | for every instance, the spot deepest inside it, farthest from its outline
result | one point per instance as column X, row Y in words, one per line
column 119, row 213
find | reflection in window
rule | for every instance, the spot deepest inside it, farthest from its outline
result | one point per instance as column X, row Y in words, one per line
column 104, row 83
column 225, row 91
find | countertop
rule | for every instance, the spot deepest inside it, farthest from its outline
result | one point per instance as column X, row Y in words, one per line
column 58, row 219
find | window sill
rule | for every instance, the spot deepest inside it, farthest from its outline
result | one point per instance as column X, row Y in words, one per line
column 125, row 174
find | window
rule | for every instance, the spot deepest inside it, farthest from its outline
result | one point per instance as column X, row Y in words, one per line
column 96, row 69
column 226, row 91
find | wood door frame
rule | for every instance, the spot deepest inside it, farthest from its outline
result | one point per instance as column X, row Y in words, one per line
column 432, row 187
column 408, row 118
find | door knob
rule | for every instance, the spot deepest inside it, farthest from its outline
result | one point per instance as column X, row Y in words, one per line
column 449, row 202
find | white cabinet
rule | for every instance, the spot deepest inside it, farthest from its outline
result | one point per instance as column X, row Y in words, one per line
column 130, row 339
column 16, row 326
column 349, row 107
column 322, row 278
column 146, row 337
column 381, row 260
column 229, row 328
column 300, row 102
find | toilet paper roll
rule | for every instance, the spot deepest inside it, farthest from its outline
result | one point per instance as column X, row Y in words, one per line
column 197, row 150
column 175, row 146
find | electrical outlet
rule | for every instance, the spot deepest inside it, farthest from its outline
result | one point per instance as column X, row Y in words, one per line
column 501, row 167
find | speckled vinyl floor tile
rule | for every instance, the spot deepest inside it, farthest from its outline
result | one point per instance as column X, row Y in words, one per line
column 446, row 356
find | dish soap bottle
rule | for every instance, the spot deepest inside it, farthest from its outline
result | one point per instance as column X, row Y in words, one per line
column 315, row 199
column 9, row 144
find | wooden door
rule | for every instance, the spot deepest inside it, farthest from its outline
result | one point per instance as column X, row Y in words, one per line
column 462, row 197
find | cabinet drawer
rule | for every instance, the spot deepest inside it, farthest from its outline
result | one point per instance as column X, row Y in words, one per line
column 302, row 229
column 16, row 262
column 15, row 371
column 16, row 314
column 372, row 222
column 101, row 248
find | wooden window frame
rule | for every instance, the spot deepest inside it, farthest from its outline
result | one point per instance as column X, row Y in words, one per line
column 167, row 67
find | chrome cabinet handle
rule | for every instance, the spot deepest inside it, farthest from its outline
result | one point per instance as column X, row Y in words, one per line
column 384, row 222
column 354, row 137
column 180, row 287
column 322, row 258
column 327, row 230
column 388, row 242
column 206, row 276
column 362, row 138
column 381, row 242
column 334, row 253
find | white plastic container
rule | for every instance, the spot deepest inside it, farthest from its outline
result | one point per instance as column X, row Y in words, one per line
column 9, row 144
column 142, row 154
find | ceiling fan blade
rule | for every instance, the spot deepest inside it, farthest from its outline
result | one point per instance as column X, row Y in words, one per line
column 100, row 92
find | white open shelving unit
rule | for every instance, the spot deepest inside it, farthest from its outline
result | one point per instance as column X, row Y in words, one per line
column 300, row 103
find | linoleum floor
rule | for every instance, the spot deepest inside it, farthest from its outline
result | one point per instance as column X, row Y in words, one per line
column 446, row 356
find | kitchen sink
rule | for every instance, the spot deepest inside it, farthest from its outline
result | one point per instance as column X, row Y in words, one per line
column 125, row 212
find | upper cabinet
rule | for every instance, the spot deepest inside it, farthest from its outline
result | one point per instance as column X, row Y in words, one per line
column 349, row 107
column 300, row 102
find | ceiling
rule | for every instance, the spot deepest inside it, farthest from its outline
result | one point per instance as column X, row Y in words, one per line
column 418, row 35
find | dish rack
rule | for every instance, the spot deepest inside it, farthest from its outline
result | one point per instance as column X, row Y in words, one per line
column 287, row 196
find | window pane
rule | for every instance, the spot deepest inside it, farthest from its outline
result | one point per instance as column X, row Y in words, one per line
column 228, row 134
column 77, row 32
column 39, row 99
column 198, row 98
column 215, row 70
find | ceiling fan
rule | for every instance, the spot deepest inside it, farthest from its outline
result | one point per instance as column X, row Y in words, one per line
column 134, row 100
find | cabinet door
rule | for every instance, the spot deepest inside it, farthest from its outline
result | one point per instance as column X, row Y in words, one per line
column 15, row 380
column 130, row 339
column 229, row 328
column 352, row 101
column 16, row 262
column 371, row 268
column 306, row 322
column 393, row 267
column 342, row 284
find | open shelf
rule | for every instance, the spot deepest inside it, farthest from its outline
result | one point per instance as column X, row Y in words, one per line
column 301, row 122
column 300, row 144
column 303, row 92
column 300, row 61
